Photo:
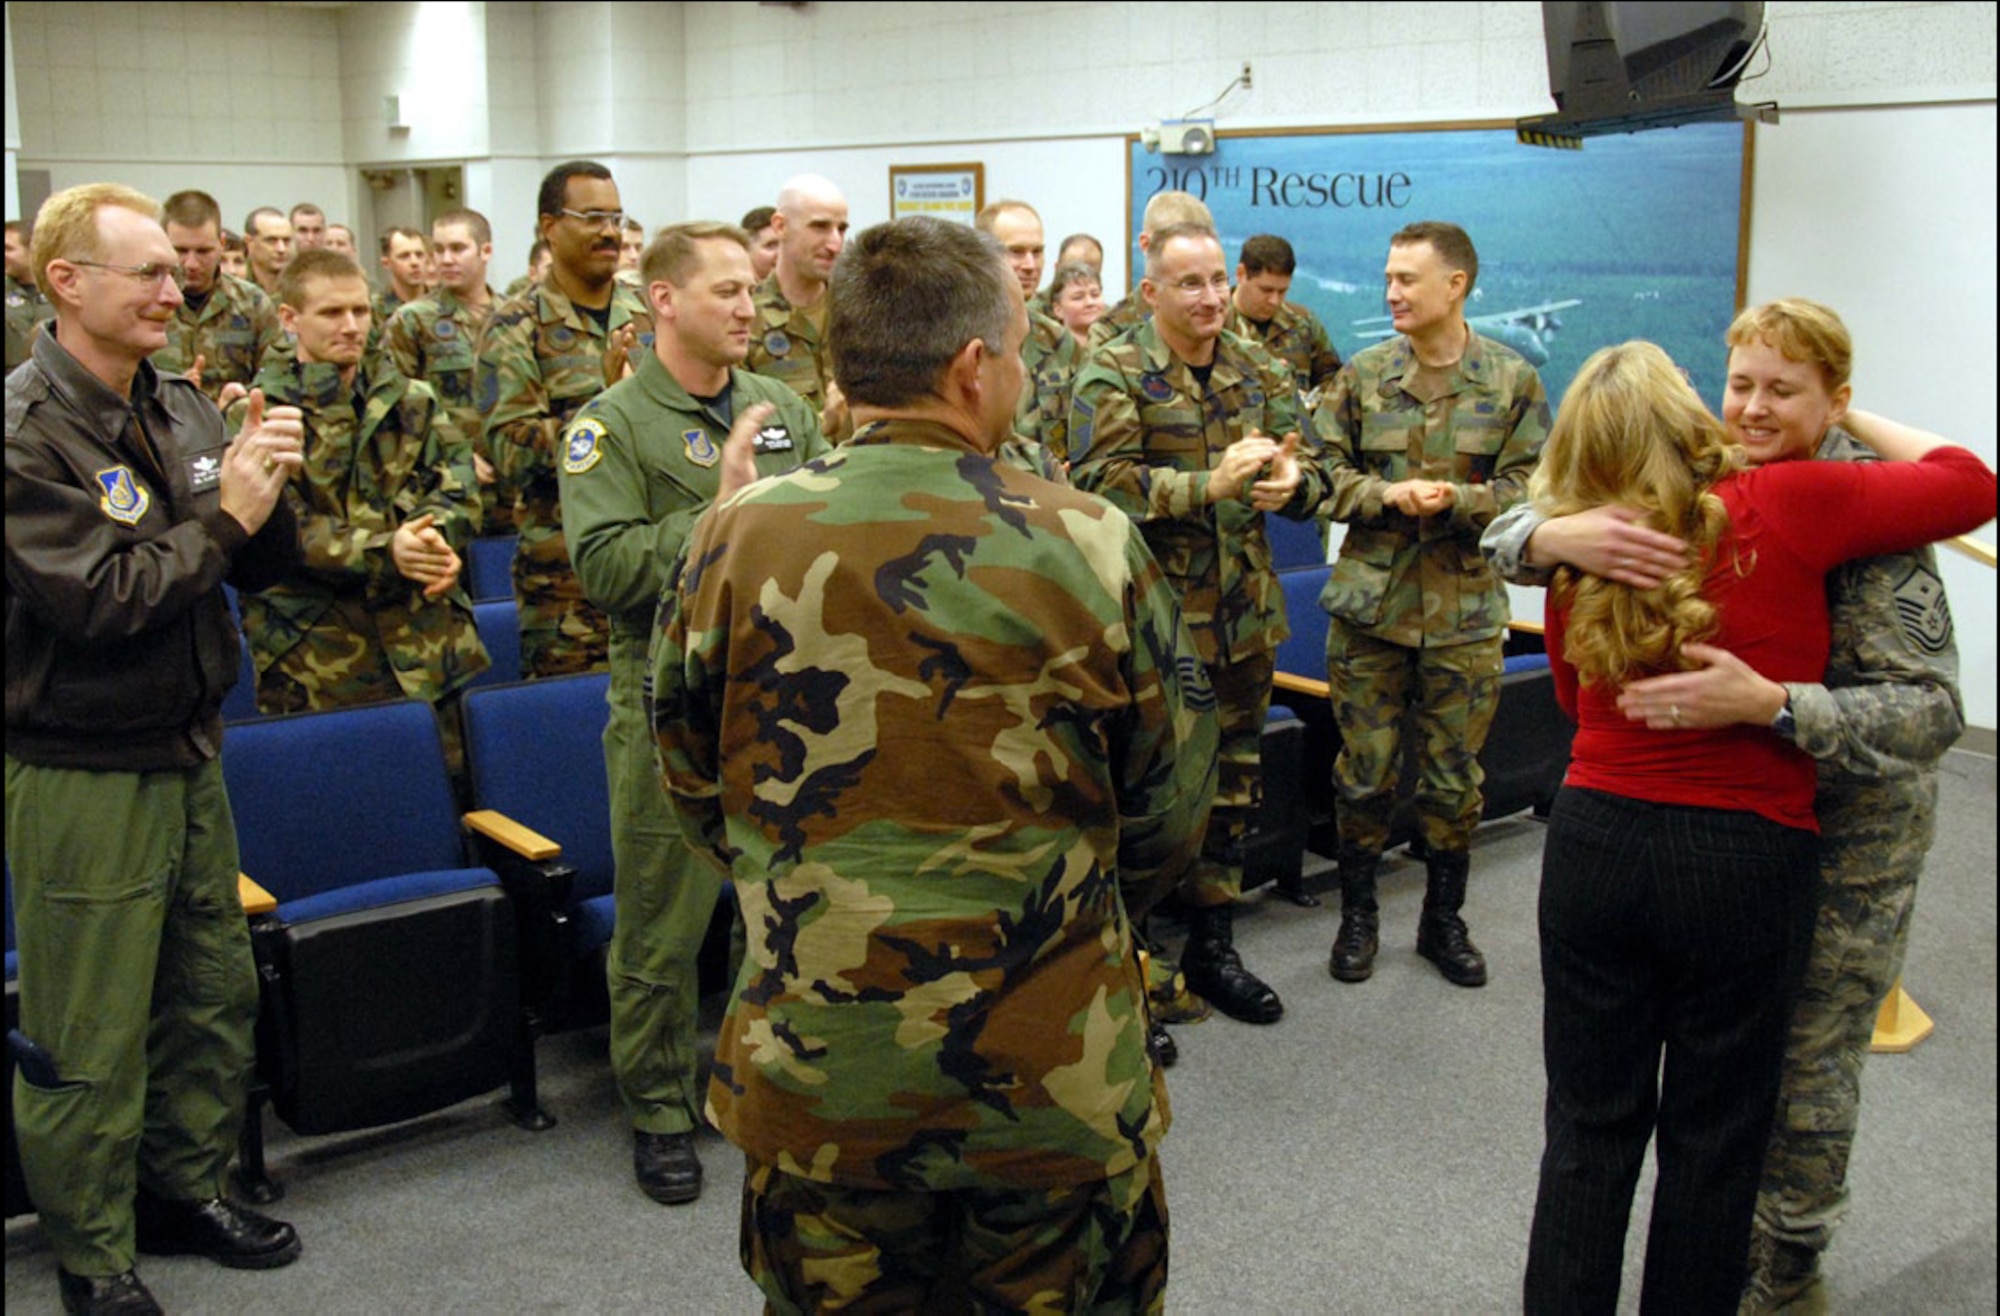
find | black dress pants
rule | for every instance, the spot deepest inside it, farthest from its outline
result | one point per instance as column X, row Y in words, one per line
column 1672, row 939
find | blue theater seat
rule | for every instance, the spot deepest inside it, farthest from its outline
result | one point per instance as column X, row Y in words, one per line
column 499, row 623
column 390, row 976
column 542, row 819
column 489, row 567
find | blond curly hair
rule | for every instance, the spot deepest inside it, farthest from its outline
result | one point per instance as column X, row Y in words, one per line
column 1633, row 432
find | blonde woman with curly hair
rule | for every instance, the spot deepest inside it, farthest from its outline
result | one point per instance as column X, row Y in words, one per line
column 1679, row 873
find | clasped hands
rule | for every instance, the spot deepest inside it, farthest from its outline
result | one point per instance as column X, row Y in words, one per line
column 1264, row 468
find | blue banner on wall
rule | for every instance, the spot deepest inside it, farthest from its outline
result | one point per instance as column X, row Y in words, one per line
column 1634, row 236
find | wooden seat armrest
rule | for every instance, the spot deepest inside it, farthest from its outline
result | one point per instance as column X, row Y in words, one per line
column 1527, row 627
column 1302, row 685
column 256, row 900
column 522, row 840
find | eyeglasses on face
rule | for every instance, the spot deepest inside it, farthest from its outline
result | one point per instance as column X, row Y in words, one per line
column 152, row 272
column 1194, row 285
column 597, row 218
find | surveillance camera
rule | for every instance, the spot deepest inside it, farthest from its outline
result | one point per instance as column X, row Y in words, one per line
column 1150, row 137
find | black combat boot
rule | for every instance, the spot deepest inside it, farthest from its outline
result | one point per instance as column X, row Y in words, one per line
column 1441, row 936
column 1215, row 971
column 1354, row 946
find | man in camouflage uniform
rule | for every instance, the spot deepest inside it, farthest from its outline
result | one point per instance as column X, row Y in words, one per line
column 1193, row 433
column 1162, row 210
column 26, row 307
column 1887, row 710
column 267, row 237
column 789, row 340
column 434, row 339
column 542, row 356
column 538, row 269
column 1288, row 331
column 1049, row 353
column 308, row 226
column 224, row 327
column 1429, row 435
column 640, row 463
column 965, row 748
column 376, row 610
column 404, row 251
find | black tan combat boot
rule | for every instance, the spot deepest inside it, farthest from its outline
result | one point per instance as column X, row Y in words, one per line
column 1215, row 971
column 1354, row 947
column 1784, row 1277
column 1441, row 936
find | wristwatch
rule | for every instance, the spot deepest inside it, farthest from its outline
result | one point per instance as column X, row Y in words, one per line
column 1786, row 723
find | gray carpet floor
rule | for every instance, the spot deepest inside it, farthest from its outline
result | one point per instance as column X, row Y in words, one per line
column 1375, row 1151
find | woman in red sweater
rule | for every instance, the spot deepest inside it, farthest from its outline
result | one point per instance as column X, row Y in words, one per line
column 1678, row 877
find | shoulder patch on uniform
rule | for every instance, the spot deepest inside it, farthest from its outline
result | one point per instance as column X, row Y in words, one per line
column 583, row 446
column 1082, row 422
column 776, row 343
column 125, row 500
column 1923, row 610
column 701, row 449
column 1155, row 387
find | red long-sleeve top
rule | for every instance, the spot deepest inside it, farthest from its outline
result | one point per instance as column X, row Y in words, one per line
column 1789, row 524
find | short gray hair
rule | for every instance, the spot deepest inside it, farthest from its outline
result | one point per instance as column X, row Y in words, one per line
column 907, row 297
column 1156, row 251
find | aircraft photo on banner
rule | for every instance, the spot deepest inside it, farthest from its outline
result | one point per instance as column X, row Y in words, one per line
column 1633, row 236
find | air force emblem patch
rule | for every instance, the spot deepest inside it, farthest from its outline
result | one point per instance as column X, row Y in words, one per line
column 583, row 446
column 1156, row 388
column 701, row 449
column 124, row 501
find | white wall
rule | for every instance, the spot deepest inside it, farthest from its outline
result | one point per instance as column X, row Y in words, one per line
column 239, row 100
column 1887, row 215
column 724, row 185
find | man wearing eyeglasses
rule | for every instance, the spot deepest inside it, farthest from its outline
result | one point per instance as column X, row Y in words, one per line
column 1164, row 209
column 223, row 326
column 127, row 508
column 1429, row 436
column 542, row 356
column 1195, row 433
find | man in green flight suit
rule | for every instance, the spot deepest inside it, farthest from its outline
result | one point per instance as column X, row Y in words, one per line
column 542, row 355
column 640, row 463
column 1194, row 433
column 942, row 718
column 1429, row 435
column 126, row 511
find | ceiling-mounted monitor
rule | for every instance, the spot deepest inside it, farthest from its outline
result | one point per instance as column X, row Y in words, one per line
column 1620, row 67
